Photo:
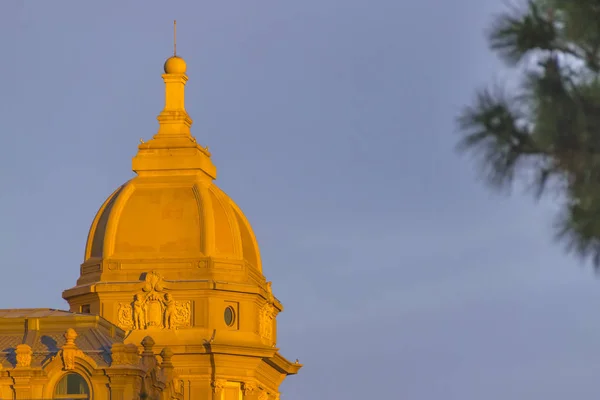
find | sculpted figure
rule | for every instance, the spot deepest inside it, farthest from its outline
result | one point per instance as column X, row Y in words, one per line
column 139, row 315
column 169, row 303
column 270, row 296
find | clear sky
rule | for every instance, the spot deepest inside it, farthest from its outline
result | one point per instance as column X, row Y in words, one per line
column 331, row 124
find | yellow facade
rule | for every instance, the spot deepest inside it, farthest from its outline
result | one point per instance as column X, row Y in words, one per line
column 172, row 273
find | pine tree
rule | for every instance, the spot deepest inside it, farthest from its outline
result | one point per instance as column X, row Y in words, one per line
column 546, row 130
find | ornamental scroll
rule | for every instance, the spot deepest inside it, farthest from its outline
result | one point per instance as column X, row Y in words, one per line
column 267, row 316
column 152, row 307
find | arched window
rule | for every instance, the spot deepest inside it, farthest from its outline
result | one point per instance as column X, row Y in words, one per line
column 72, row 386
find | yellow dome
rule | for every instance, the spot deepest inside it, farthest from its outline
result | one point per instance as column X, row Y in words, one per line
column 171, row 217
column 153, row 218
column 175, row 65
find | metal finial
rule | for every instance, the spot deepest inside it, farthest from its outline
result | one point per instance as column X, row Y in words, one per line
column 175, row 38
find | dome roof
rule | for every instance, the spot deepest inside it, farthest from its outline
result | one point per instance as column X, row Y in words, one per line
column 152, row 218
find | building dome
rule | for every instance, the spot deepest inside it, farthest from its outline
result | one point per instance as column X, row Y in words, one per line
column 172, row 211
column 171, row 262
column 152, row 218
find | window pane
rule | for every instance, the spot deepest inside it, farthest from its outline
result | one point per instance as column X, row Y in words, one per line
column 229, row 316
column 61, row 387
column 72, row 384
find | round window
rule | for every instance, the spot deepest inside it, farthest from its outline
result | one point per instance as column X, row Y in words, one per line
column 229, row 316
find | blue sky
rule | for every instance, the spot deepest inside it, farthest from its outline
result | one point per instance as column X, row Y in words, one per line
column 331, row 124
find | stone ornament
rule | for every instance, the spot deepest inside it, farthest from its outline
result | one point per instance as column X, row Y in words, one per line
column 23, row 355
column 158, row 380
column 124, row 354
column 266, row 317
column 218, row 385
column 263, row 395
column 180, row 387
column 153, row 307
column 167, row 357
column 270, row 297
column 267, row 314
column 152, row 383
column 249, row 388
column 139, row 383
column 69, row 350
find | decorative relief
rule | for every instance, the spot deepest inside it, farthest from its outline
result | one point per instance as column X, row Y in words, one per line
column 24, row 354
column 153, row 282
column 117, row 358
column 70, row 351
column 113, row 266
column 266, row 317
column 125, row 316
column 249, row 388
column 179, row 386
column 138, row 385
column 68, row 358
column 124, row 354
column 263, row 395
column 218, row 385
column 152, row 307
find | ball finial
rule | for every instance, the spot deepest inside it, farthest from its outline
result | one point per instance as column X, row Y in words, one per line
column 175, row 65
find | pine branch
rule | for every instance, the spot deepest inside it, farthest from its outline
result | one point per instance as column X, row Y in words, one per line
column 493, row 129
column 515, row 34
column 550, row 129
column 579, row 226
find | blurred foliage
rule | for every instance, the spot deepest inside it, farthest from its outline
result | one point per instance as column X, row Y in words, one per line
column 546, row 130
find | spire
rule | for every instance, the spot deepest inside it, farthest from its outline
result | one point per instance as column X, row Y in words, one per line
column 174, row 120
column 173, row 148
column 174, row 38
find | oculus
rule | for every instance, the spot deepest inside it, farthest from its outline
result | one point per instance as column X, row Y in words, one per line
column 229, row 316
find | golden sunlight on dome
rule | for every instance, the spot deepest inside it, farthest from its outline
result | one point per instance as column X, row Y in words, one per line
column 147, row 218
column 172, row 211
column 171, row 263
